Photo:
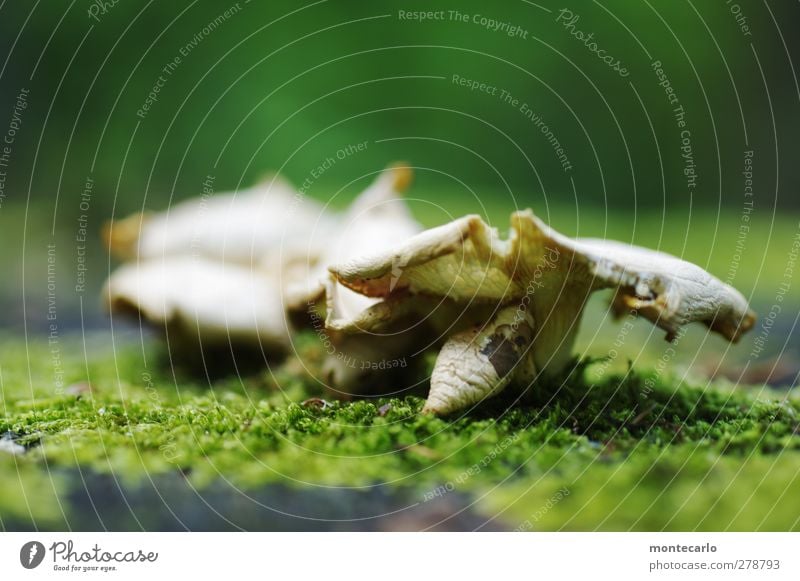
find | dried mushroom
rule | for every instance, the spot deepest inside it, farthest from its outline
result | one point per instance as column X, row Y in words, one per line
column 228, row 267
column 501, row 311
column 510, row 309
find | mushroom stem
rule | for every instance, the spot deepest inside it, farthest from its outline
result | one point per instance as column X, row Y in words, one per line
column 480, row 362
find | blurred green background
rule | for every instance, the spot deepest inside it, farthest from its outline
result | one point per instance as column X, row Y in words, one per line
column 281, row 85
column 284, row 85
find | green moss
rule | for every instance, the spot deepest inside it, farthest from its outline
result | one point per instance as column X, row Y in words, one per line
column 632, row 451
column 675, row 487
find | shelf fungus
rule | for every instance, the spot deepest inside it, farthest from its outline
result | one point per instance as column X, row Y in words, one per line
column 509, row 309
column 231, row 267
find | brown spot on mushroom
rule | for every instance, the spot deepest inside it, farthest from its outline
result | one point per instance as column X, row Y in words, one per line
column 503, row 348
column 502, row 354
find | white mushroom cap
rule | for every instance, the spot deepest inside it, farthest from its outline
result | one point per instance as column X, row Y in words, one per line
column 200, row 298
column 266, row 223
column 466, row 261
column 377, row 220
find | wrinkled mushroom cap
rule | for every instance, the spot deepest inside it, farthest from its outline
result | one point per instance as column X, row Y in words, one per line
column 466, row 261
